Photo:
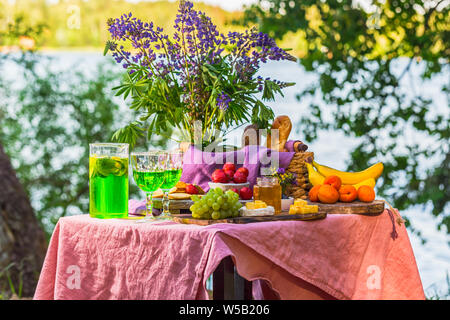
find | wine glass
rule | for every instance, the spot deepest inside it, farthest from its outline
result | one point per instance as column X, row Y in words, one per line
column 148, row 173
column 172, row 175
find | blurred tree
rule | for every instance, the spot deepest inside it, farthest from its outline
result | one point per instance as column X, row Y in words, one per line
column 50, row 121
column 22, row 240
column 357, row 54
column 49, row 113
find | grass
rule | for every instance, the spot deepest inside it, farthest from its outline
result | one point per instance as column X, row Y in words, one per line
column 13, row 292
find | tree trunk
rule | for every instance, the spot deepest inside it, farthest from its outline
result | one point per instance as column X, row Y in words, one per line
column 22, row 240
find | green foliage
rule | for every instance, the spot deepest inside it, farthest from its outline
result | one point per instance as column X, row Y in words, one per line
column 48, row 118
column 47, row 125
column 357, row 54
column 7, row 272
column 161, row 108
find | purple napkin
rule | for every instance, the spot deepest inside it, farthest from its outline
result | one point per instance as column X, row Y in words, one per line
column 290, row 146
column 137, row 207
column 198, row 166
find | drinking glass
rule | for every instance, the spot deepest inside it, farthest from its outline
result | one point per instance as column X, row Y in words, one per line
column 148, row 173
column 172, row 175
column 108, row 180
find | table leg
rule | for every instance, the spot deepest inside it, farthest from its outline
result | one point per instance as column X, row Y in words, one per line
column 228, row 284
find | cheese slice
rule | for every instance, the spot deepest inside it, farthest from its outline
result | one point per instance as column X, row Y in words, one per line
column 268, row 211
column 303, row 209
column 257, row 204
column 300, row 203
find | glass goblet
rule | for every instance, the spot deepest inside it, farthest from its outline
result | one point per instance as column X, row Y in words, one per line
column 148, row 173
column 174, row 169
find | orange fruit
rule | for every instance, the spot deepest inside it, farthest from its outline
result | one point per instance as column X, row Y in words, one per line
column 366, row 194
column 328, row 194
column 314, row 192
column 333, row 181
column 347, row 193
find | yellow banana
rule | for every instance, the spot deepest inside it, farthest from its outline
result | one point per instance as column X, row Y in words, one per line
column 369, row 182
column 314, row 177
column 351, row 177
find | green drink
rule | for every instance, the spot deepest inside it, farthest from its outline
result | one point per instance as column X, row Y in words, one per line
column 173, row 172
column 172, row 176
column 148, row 181
column 108, row 187
column 148, row 173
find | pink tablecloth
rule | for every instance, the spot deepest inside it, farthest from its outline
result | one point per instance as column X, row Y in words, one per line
column 342, row 257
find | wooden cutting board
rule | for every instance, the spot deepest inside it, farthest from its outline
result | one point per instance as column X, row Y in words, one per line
column 373, row 208
column 187, row 218
column 174, row 204
column 180, row 206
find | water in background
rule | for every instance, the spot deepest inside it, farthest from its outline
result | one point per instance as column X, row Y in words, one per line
column 433, row 258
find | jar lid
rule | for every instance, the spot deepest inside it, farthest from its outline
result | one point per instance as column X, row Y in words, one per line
column 267, row 181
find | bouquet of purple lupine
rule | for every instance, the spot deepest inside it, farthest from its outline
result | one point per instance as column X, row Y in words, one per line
column 285, row 179
column 197, row 77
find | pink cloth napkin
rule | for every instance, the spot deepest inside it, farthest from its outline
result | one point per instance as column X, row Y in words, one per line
column 341, row 257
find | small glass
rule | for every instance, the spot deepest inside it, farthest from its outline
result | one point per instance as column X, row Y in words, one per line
column 173, row 172
column 268, row 189
column 108, row 180
column 148, row 173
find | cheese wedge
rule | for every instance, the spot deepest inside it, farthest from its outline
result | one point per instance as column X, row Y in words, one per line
column 257, row 204
column 267, row 211
column 300, row 203
column 306, row 209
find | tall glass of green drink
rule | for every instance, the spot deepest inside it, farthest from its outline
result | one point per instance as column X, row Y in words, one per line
column 148, row 173
column 108, row 180
column 172, row 176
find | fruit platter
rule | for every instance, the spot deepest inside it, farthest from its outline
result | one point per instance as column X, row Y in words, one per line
column 345, row 192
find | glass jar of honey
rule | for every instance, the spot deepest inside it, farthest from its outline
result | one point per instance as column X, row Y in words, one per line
column 268, row 189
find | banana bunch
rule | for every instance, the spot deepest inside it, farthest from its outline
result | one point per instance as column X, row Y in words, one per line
column 368, row 177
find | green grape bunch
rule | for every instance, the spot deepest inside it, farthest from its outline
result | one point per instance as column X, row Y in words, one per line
column 216, row 204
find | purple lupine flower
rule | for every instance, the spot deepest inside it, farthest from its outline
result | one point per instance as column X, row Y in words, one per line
column 223, row 101
column 180, row 60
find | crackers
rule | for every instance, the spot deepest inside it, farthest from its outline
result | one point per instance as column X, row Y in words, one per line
column 178, row 192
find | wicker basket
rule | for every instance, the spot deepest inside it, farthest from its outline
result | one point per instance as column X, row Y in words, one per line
column 297, row 166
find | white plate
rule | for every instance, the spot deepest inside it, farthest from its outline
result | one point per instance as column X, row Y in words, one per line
column 228, row 186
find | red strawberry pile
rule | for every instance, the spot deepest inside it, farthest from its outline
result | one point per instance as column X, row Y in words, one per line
column 229, row 174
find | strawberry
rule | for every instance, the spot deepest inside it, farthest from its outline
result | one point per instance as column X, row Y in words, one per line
column 229, row 166
column 243, row 170
column 246, row 193
column 230, row 174
column 191, row 189
column 219, row 176
column 239, row 177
